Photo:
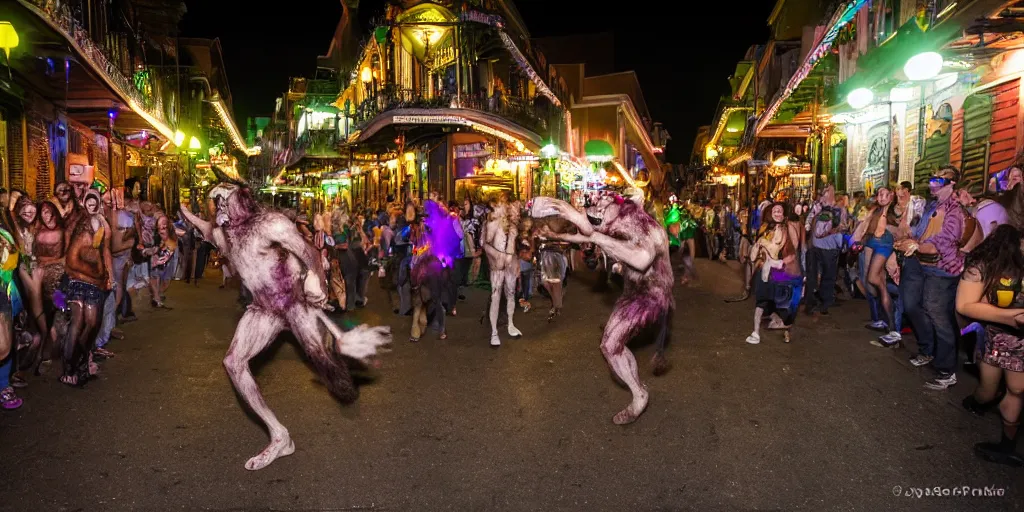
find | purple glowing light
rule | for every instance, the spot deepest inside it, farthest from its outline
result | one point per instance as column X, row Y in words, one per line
column 443, row 240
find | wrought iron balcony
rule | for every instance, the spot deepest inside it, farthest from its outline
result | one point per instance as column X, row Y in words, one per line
column 318, row 143
column 314, row 87
column 60, row 16
column 514, row 109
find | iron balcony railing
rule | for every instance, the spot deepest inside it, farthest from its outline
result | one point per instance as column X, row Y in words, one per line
column 60, row 15
column 318, row 142
column 314, row 87
column 517, row 110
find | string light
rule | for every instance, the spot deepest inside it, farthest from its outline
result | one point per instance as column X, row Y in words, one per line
column 228, row 123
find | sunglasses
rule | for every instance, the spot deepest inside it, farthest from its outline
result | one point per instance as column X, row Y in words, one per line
column 939, row 180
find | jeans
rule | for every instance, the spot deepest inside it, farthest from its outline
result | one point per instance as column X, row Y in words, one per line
column 109, row 319
column 202, row 256
column 825, row 261
column 526, row 279
column 719, row 245
column 939, row 303
column 912, row 299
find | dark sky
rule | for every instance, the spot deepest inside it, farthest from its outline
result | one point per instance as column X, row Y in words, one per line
column 682, row 57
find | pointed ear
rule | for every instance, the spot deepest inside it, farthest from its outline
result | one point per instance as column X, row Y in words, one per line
column 636, row 195
column 223, row 177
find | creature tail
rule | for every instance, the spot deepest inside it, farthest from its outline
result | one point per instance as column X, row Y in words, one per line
column 331, row 368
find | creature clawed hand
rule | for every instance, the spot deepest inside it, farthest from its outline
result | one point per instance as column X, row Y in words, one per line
column 548, row 206
column 363, row 343
column 315, row 287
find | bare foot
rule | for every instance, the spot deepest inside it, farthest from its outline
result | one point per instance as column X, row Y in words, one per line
column 277, row 448
column 633, row 411
column 513, row 332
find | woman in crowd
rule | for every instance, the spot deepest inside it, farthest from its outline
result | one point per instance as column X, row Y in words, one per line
column 990, row 291
column 161, row 260
column 524, row 250
column 882, row 227
column 8, row 262
column 553, row 265
column 778, row 279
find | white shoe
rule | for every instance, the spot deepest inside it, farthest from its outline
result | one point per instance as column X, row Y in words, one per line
column 512, row 331
column 754, row 338
column 495, row 340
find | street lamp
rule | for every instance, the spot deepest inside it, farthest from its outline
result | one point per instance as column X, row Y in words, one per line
column 923, row 66
column 860, row 98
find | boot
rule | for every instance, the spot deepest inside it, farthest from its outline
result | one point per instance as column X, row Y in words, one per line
column 979, row 409
column 1003, row 452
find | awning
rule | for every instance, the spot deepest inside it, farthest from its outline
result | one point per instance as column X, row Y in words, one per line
column 885, row 62
column 880, row 67
column 598, row 150
column 843, row 15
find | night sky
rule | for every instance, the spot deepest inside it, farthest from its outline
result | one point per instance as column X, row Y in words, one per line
column 682, row 56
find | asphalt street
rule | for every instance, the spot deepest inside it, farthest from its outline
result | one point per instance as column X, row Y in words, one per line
column 827, row 422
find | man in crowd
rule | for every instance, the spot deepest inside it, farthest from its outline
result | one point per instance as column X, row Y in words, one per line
column 825, row 225
column 942, row 262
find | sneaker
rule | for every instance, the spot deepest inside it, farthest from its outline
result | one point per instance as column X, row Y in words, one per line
column 942, row 382
column 9, row 400
column 878, row 325
column 891, row 340
column 921, row 360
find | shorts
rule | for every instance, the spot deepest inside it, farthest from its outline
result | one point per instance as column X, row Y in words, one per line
column 86, row 293
column 138, row 277
column 881, row 246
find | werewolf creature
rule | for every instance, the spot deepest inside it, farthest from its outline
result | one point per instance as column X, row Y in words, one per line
column 627, row 234
column 499, row 242
column 285, row 275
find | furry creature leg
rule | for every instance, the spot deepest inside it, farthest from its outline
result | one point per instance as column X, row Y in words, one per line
column 510, row 303
column 361, row 343
column 617, row 332
column 659, row 363
column 304, row 323
column 419, row 314
column 256, row 330
column 497, row 283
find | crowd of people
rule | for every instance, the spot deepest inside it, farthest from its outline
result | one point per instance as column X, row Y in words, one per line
column 70, row 267
column 947, row 269
column 425, row 254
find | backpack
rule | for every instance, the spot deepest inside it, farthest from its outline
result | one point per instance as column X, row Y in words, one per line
column 972, row 235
